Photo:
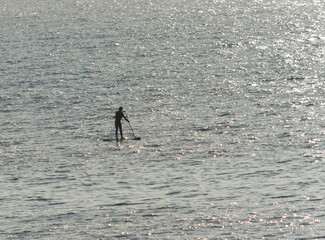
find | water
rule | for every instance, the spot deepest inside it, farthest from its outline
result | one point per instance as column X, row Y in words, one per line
column 227, row 96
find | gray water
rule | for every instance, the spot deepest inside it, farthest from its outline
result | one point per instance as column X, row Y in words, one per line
column 227, row 97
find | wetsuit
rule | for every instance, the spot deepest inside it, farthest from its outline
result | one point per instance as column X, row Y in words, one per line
column 118, row 125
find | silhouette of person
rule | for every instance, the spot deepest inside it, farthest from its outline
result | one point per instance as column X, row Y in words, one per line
column 118, row 125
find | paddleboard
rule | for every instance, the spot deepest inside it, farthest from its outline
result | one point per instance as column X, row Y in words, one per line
column 111, row 139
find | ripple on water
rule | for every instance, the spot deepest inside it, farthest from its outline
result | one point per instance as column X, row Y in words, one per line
column 227, row 100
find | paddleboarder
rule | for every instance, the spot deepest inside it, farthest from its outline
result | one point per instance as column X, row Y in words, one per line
column 118, row 125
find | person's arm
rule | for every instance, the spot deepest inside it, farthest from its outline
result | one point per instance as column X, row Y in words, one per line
column 125, row 118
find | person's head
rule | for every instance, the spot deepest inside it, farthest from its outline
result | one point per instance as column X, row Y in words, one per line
column 120, row 109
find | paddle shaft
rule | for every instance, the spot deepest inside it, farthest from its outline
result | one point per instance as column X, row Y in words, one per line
column 131, row 128
column 135, row 138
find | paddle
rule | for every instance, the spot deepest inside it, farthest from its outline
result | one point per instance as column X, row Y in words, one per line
column 135, row 138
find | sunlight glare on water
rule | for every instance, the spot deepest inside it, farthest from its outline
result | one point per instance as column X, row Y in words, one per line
column 227, row 97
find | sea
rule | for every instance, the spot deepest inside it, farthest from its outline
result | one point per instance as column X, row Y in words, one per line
column 227, row 96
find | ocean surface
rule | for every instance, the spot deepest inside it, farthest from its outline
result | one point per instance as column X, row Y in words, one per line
column 228, row 97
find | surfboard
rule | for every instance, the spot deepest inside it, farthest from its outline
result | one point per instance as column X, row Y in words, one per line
column 111, row 139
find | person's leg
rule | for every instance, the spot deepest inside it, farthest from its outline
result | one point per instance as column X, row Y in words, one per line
column 121, row 131
column 116, row 130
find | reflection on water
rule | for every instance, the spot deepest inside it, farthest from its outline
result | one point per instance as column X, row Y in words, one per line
column 227, row 97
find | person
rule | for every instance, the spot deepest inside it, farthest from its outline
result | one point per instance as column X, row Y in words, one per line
column 118, row 125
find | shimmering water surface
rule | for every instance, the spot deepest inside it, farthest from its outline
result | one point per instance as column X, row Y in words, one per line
column 227, row 96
